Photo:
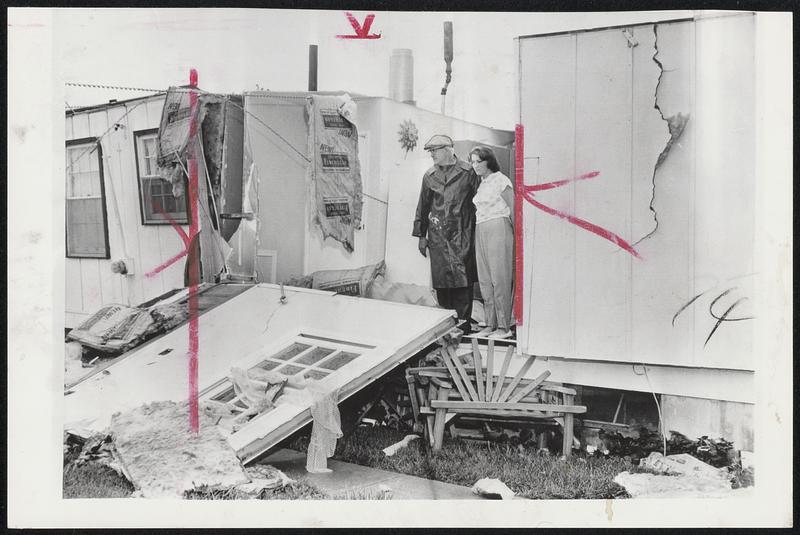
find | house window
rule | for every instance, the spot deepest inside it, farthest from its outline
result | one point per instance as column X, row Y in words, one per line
column 87, row 221
column 155, row 193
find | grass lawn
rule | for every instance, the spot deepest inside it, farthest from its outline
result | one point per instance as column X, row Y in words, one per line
column 463, row 462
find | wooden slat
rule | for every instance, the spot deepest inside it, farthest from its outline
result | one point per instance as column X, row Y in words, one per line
column 568, row 429
column 460, row 366
column 517, row 378
column 556, row 388
column 477, row 363
column 427, row 369
column 489, row 405
column 503, row 371
column 489, row 369
column 455, row 375
column 529, row 387
column 413, row 396
column 441, row 375
column 520, row 415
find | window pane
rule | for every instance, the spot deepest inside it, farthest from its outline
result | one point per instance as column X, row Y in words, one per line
column 339, row 360
column 156, row 192
column 85, row 227
column 315, row 356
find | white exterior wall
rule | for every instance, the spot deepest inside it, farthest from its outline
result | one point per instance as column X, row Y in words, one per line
column 89, row 281
column 403, row 176
column 587, row 102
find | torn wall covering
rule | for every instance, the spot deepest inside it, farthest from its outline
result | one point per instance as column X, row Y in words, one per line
column 175, row 144
column 673, row 146
column 334, row 170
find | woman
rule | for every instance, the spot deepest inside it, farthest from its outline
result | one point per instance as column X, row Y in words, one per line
column 494, row 241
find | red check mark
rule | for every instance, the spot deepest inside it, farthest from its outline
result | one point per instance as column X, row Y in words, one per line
column 362, row 31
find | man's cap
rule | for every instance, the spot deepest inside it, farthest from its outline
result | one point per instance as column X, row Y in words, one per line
column 438, row 141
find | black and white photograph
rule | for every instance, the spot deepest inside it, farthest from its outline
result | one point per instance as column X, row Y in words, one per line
column 383, row 268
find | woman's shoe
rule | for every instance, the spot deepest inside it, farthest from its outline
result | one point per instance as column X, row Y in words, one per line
column 501, row 334
column 486, row 331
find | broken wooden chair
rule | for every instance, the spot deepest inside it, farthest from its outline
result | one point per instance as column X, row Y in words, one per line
column 468, row 386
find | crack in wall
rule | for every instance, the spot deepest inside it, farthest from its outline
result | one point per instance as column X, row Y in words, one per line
column 675, row 123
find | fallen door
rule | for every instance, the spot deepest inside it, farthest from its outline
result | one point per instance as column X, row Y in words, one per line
column 343, row 343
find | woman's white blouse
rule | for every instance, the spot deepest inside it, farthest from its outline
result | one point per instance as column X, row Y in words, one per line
column 488, row 202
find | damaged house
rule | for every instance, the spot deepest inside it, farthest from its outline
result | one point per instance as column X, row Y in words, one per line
column 630, row 271
column 268, row 214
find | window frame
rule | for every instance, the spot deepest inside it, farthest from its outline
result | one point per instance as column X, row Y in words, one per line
column 99, row 148
column 137, row 134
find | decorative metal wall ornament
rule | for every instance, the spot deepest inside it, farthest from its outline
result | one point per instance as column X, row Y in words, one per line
column 408, row 136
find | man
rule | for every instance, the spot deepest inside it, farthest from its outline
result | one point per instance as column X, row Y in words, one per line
column 445, row 226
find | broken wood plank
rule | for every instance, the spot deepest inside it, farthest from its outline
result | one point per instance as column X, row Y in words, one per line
column 413, row 396
column 517, row 378
column 529, row 387
column 478, row 364
column 460, row 366
column 489, row 405
column 489, row 369
column 456, row 378
column 503, row 371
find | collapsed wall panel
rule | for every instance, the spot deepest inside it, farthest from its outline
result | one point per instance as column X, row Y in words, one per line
column 250, row 330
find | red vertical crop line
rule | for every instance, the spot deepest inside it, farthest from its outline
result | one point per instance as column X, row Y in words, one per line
column 519, row 180
column 194, row 260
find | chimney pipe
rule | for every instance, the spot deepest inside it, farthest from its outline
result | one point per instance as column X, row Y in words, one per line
column 312, row 67
column 401, row 75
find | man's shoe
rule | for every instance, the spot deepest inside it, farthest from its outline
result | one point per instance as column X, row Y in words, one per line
column 501, row 334
column 486, row 331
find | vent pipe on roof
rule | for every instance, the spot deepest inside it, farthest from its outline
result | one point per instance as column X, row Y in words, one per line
column 401, row 75
column 312, row 67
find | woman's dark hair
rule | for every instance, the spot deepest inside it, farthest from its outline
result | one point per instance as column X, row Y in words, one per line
column 487, row 155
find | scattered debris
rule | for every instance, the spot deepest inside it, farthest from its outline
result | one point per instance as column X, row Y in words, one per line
column 94, row 449
column 327, row 428
column 263, row 476
column 493, row 489
column 162, row 457
column 680, row 464
column 400, row 292
column 73, row 364
column 636, row 445
column 680, row 475
column 113, row 328
column 356, row 282
column 394, row 448
column 663, row 486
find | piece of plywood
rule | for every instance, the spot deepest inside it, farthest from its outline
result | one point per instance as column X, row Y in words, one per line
column 674, row 149
column 252, row 326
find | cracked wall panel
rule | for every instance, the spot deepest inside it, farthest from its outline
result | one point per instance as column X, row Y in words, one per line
column 603, row 143
column 650, row 131
column 662, row 282
column 725, row 181
column 548, row 113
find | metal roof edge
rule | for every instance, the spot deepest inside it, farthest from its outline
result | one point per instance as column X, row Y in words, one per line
column 106, row 105
column 698, row 17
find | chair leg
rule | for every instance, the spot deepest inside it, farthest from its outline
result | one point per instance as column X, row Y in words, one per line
column 568, row 428
column 429, row 419
column 412, row 394
column 438, row 426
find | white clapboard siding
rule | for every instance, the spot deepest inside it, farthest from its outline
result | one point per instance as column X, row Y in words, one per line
column 89, row 281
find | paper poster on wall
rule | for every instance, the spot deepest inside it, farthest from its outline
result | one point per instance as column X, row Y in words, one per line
column 335, row 172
